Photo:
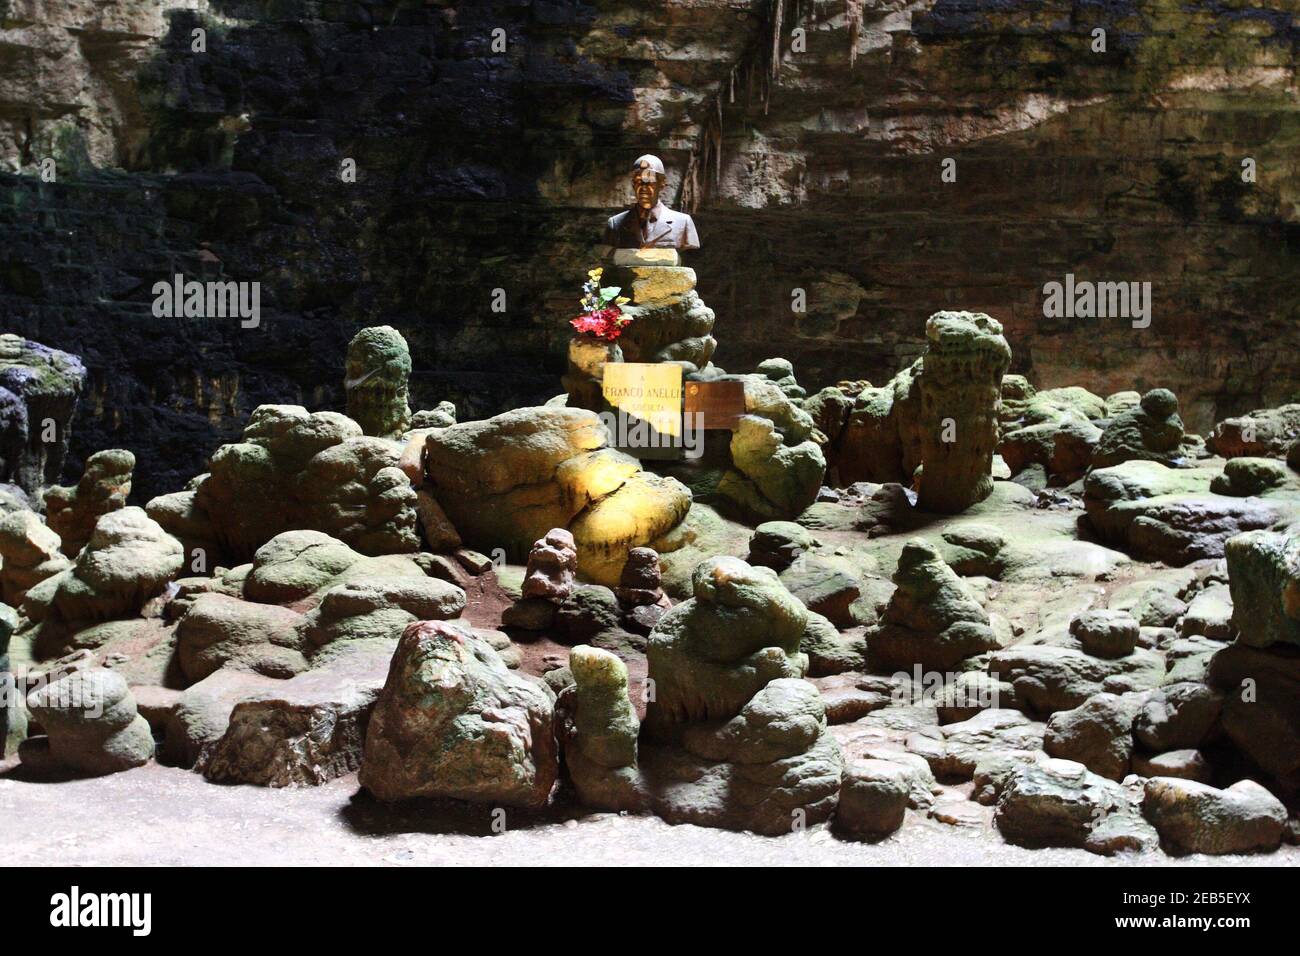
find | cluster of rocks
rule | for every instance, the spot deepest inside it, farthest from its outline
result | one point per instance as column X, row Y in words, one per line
column 732, row 735
column 930, row 639
column 506, row 481
column 938, row 416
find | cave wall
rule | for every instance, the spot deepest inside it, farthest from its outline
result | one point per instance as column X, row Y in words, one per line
column 480, row 170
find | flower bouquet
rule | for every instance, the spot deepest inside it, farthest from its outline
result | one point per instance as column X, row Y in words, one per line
column 602, row 314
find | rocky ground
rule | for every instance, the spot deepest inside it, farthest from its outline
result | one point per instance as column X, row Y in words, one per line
column 162, row 816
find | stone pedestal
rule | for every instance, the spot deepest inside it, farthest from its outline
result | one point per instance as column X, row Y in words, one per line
column 587, row 360
column 670, row 323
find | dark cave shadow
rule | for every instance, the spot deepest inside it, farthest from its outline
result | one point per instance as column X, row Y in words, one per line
column 367, row 816
column 25, row 773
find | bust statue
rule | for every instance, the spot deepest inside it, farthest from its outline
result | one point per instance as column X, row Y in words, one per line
column 648, row 223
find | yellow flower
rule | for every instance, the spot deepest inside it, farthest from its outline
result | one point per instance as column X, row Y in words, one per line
column 622, row 299
column 595, row 274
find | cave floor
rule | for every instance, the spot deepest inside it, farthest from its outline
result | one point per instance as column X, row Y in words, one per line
column 164, row 816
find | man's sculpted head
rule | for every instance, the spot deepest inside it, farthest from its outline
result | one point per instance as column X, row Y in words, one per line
column 648, row 178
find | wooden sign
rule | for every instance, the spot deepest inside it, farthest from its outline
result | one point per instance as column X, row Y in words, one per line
column 720, row 404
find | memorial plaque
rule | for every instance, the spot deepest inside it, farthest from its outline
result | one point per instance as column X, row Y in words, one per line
column 644, row 408
column 719, row 404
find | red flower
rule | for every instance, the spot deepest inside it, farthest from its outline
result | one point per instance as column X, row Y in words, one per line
column 607, row 323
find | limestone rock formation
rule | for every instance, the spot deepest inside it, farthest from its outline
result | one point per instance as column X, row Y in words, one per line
column 1098, row 734
column 29, row 553
column 507, row 481
column 39, row 387
column 552, row 563
column 1265, row 432
column 222, row 631
column 128, row 560
column 640, row 584
column 1051, row 677
column 92, row 724
column 295, row 469
column 776, row 544
column 304, row 731
column 1150, row 432
column 377, row 377
column 305, row 596
column 1261, row 707
column 584, row 378
column 1264, row 578
column 1176, row 716
column 1061, row 803
column 1055, row 428
column 880, row 439
column 965, row 360
column 714, row 651
column 605, row 725
column 548, row 580
column 1170, row 514
column 768, row 466
column 1194, row 817
column 104, row 486
column 931, row 619
column 10, row 707
column 670, row 323
column 732, row 737
column 1105, row 633
column 453, row 721
column 780, row 372
column 873, row 798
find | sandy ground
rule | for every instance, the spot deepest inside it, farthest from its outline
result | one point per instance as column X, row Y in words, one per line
column 164, row 816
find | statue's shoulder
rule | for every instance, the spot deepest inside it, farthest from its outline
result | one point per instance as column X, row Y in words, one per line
column 616, row 220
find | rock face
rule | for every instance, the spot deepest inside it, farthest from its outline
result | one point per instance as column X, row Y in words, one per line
column 295, row 469
column 378, row 371
column 784, row 168
column 733, row 737
column 931, row 619
column 966, row 357
column 453, row 721
column 507, row 481
column 104, row 486
column 92, row 723
column 307, row 730
column 1194, row 817
column 39, row 387
column 1061, row 803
